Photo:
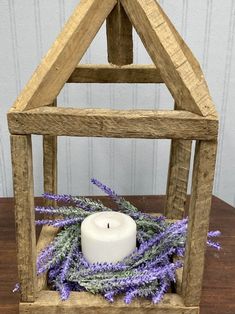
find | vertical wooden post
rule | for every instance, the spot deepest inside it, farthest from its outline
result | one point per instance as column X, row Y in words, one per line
column 199, row 211
column 50, row 164
column 119, row 37
column 22, row 168
column 178, row 173
column 50, row 186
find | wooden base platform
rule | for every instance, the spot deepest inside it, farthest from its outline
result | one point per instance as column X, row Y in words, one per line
column 86, row 303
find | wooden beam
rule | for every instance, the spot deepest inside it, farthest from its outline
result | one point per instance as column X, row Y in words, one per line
column 50, row 165
column 89, row 73
column 178, row 178
column 65, row 54
column 119, row 37
column 188, row 53
column 199, row 211
column 178, row 275
column 178, row 174
column 113, row 123
column 84, row 302
column 178, row 69
column 21, row 152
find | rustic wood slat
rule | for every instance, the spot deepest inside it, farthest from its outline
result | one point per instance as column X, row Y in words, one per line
column 178, row 174
column 65, row 54
column 199, row 211
column 179, row 280
column 21, row 152
column 170, row 56
column 113, row 123
column 83, row 303
column 119, row 37
column 50, row 165
column 99, row 73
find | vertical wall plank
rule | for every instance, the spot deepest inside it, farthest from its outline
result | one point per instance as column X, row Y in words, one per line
column 199, row 211
column 3, row 181
column 226, row 91
column 119, row 37
column 21, row 150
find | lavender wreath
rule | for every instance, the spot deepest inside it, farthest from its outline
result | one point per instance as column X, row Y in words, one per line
column 148, row 272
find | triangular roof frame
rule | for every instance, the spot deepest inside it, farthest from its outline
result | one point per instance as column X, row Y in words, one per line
column 177, row 66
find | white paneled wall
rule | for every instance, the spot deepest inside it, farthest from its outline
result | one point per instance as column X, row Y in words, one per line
column 28, row 28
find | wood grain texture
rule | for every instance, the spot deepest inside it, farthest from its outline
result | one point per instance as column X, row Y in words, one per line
column 47, row 235
column 178, row 174
column 22, row 168
column 119, row 37
column 177, row 67
column 199, row 211
column 65, row 54
column 113, row 123
column 50, row 165
column 102, row 73
column 179, row 279
column 82, row 302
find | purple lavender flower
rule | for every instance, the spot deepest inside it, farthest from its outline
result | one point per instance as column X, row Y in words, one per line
column 214, row 245
column 130, row 295
column 54, row 272
column 160, row 293
column 58, row 198
column 16, row 288
column 67, row 262
column 64, row 290
column 213, row 234
column 105, row 189
column 177, row 228
column 59, row 223
column 45, row 255
column 109, row 296
column 45, row 210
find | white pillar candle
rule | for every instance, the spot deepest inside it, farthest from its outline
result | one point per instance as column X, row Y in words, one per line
column 107, row 237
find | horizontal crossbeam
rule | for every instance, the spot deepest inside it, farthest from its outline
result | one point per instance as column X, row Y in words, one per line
column 150, row 124
column 84, row 302
column 89, row 73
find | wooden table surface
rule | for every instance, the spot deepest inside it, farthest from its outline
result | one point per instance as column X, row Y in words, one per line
column 218, row 296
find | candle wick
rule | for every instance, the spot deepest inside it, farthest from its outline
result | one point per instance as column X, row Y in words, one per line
column 108, row 226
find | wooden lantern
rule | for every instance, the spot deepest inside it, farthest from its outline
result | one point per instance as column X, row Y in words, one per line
column 194, row 118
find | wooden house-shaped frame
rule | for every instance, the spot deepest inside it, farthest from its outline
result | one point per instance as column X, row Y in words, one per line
column 194, row 118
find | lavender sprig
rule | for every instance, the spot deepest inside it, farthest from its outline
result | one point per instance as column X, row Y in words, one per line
column 16, row 288
column 59, row 223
